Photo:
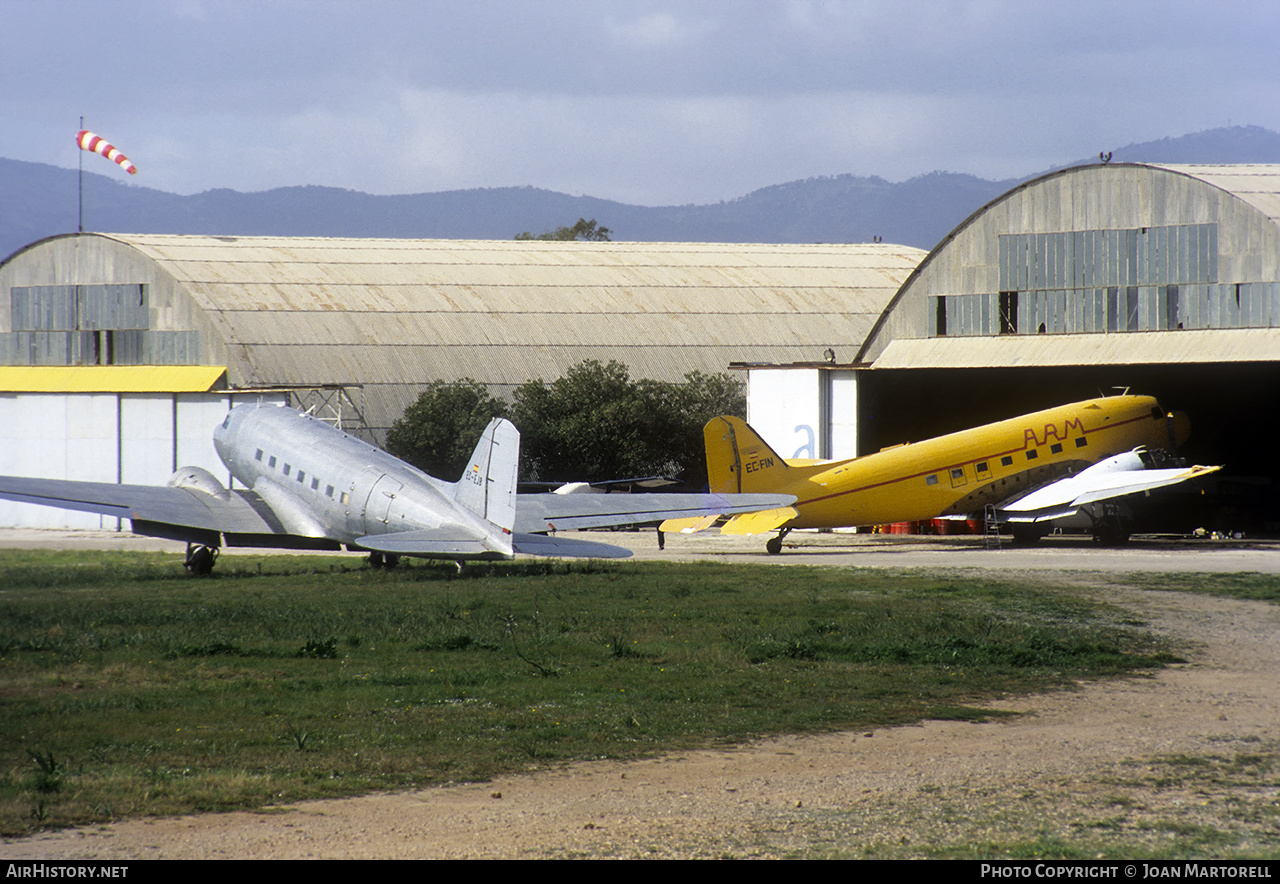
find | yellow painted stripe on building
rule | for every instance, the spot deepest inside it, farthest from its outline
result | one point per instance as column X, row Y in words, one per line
column 111, row 378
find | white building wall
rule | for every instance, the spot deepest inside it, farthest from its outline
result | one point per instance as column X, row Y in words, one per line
column 131, row 438
column 844, row 414
column 805, row 412
column 784, row 407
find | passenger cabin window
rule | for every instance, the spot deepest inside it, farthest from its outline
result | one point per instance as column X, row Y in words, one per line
column 302, row 475
column 1006, row 461
column 1032, row 454
column 932, row 480
column 258, row 456
column 328, row 490
column 982, row 467
column 315, row 484
column 1081, row 442
column 287, row 468
column 271, row 461
column 1056, row 448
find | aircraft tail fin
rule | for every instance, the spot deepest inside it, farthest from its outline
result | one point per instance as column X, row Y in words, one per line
column 738, row 460
column 488, row 484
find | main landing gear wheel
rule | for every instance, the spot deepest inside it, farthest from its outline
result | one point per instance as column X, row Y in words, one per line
column 1111, row 528
column 774, row 544
column 383, row 560
column 200, row 559
column 1111, row 531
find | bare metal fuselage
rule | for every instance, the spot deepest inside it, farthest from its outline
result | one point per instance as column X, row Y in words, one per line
column 324, row 483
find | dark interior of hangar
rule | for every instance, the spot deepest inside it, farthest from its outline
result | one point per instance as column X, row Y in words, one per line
column 1233, row 410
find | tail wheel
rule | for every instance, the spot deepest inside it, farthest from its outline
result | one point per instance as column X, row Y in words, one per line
column 200, row 559
column 774, row 544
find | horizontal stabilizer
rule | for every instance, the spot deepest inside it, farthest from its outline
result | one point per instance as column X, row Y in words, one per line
column 759, row 523
column 444, row 544
column 562, row 547
column 536, row 513
column 691, row 525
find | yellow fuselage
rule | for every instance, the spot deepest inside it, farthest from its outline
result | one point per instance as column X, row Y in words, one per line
column 950, row 475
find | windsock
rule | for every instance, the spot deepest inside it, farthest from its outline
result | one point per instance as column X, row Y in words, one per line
column 88, row 141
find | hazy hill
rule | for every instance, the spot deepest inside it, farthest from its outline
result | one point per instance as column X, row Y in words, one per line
column 38, row 200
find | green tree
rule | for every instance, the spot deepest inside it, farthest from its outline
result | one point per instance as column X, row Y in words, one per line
column 692, row 403
column 583, row 231
column 438, row 432
column 595, row 423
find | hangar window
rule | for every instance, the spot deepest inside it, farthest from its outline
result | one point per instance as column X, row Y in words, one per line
column 91, row 325
column 932, row 480
column 1122, row 280
column 1008, row 313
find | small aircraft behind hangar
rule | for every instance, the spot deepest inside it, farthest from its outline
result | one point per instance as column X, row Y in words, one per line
column 1028, row 470
column 311, row 486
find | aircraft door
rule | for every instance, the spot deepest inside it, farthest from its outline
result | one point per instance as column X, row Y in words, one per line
column 379, row 503
column 360, row 498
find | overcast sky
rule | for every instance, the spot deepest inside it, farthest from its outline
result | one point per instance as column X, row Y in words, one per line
column 645, row 102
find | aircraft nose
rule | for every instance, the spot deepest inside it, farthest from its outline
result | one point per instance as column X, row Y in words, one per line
column 1179, row 427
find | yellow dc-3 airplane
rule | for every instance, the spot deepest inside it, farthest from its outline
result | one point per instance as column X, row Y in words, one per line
column 1031, row 469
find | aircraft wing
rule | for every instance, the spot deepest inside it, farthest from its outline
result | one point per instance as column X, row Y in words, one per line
column 1112, row 478
column 155, row 510
column 539, row 513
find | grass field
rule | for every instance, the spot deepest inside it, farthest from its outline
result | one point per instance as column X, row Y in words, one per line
column 129, row 689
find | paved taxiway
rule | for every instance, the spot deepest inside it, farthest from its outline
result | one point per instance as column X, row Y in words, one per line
column 1057, row 553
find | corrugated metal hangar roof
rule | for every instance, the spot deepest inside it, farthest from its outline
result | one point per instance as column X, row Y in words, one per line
column 390, row 315
column 1257, row 184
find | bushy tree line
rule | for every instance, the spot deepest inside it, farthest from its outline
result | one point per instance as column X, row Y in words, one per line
column 592, row 424
column 583, row 231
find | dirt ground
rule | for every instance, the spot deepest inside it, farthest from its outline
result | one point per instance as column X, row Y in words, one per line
column 1157, row 761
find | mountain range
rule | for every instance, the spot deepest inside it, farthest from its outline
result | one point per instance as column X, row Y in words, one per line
column 39, row 200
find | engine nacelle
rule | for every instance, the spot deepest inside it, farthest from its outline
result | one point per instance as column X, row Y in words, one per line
column 198, row 479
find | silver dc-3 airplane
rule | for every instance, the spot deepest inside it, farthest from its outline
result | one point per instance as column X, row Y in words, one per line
column 308, row 485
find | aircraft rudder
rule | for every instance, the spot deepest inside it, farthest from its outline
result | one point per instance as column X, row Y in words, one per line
column 487, row 486
column 738, row 460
